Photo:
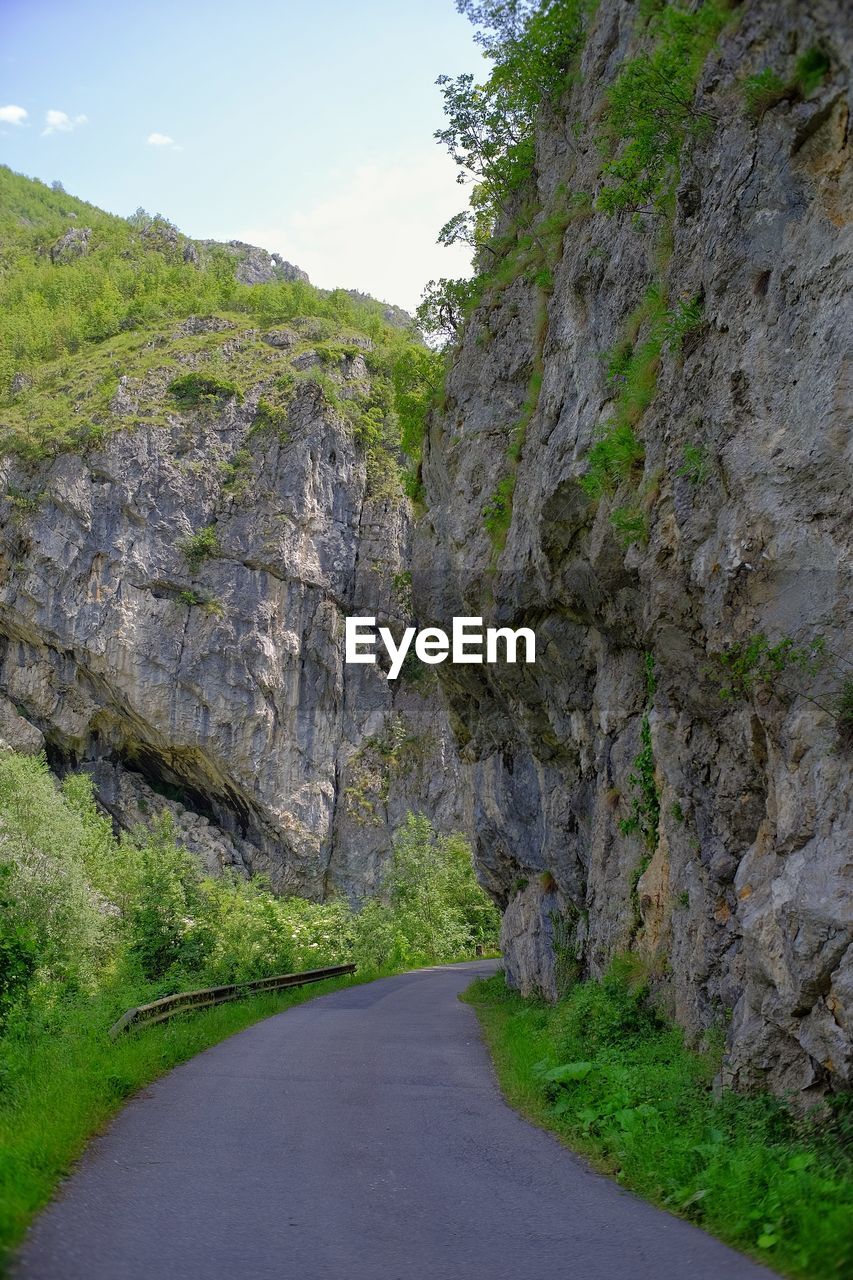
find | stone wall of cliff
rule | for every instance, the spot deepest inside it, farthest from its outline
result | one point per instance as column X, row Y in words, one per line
column 673, row 775
column 172, row 605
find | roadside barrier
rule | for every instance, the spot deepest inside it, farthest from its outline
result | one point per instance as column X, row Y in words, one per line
column 145, row 1015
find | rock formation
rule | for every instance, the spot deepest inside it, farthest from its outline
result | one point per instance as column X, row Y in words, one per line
column 672, row 776
column 171, row 609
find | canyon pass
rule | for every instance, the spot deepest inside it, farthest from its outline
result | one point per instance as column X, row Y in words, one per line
column 192, row 504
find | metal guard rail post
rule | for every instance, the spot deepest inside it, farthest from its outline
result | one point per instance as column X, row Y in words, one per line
column 145, row 1015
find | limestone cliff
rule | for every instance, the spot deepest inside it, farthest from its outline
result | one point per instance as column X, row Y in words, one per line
column 673, row 776
column 172, row 599
column 643, row 453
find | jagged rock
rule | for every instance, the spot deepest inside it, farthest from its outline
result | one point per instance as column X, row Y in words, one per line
column 161, row 234
column 257, row 266
column 223, row 682
column 743, row 910
column 16, row 733
column 124, row 401
column 307, row 360
column 128, row 798
column 74, row 244
column 19, row 383
column 282, row 338
column 203, row 324
column 287, row 271
column 528, row 940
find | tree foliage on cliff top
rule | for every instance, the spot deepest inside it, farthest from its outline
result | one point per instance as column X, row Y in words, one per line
column 490, row 127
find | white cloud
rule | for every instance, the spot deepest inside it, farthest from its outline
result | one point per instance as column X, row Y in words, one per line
column 160, row 140
column 378, row 231
column 13, row 114
column 61, row 122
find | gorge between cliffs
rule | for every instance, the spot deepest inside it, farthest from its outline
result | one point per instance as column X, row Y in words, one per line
column 638, row 446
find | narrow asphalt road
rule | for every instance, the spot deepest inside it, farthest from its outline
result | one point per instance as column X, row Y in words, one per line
column 360, row 1136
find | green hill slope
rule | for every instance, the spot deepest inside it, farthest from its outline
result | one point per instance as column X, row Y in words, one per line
column 89, row 301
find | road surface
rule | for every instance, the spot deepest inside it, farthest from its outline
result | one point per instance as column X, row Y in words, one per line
column 360, row 1136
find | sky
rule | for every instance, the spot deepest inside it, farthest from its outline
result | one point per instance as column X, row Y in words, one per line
column 306, row 128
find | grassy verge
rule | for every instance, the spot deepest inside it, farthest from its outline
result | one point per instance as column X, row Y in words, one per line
column 603, row 1071
column 61, row 1084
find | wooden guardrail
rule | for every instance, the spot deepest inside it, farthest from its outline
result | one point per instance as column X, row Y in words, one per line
column 145, row 1015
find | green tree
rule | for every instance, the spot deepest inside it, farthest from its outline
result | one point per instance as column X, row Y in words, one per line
column 441, row 313
column 433, row 893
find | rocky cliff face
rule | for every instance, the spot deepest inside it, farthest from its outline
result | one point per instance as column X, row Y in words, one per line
column 172, row 604
column 672, row 777
column 650, row 785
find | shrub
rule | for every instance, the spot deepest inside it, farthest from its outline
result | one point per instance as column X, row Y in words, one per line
column 51, row 902
column 497, row 512
column 417, row 375
column 239, row 932
column 438, row 908
column 650, row 109
column 682, row 319
column 609, row 1014
column 200, row 546
column 193, row 389
column 270, row 416
column 763, row 90
column 756, row 661
column 164, row 894
column 811, row 70
column 19, row 953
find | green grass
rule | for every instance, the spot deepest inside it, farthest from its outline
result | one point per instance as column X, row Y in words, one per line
column 650, row 112
column 633, row 367
column 615, row 1081
column 200, row 546
column 630, row 524
column 70, row 330
column 766, row 88
column 60, row 1084
column 762, row 91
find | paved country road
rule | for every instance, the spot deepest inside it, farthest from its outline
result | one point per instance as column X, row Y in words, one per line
column 360, row 1136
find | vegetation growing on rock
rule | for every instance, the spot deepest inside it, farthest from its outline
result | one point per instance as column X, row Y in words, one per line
column 131, row 326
